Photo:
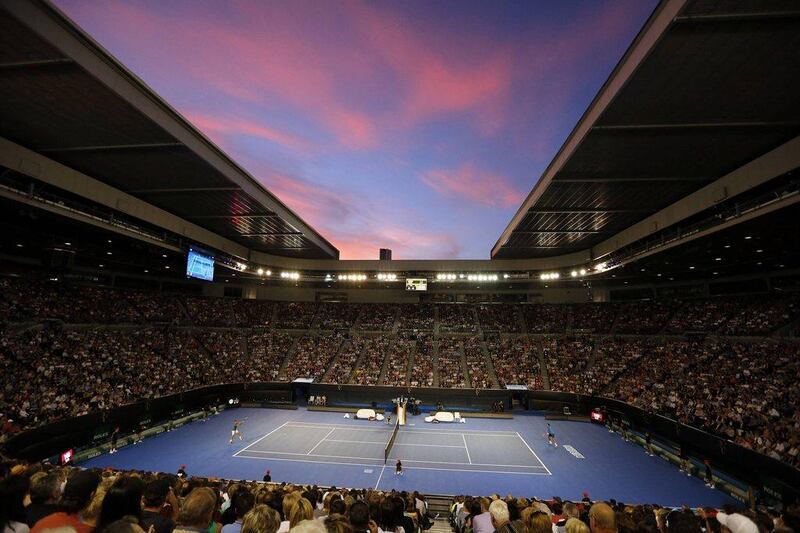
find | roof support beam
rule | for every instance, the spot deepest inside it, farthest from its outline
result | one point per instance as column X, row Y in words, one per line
column 734, row 17
column 661, row 179
column 227, row 217
column 143, row 146
column 267, row 234
column 185, row 190
column 590, row 211
column 562, row 232
column 35, row 64
column 697, row 125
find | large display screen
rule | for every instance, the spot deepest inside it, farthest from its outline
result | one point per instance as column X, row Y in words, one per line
column 200, row 265
column 416, row 284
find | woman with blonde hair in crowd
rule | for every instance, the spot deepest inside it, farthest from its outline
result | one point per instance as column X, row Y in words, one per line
column 575, row 525
column 302, row 510
column 539, row 522
column 261, row 519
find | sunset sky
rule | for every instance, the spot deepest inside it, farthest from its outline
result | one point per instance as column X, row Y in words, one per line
column 416, row 126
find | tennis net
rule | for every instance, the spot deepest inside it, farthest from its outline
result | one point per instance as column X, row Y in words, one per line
column 388, row 449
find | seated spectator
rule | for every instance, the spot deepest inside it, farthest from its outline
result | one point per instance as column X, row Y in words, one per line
column 123, row 499
column 13, row 492
column 261, row 519
column 197, row 511
column 45, row 493
column 77, row 496
column 153, row 500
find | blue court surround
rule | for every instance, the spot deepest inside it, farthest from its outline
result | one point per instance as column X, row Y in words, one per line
column 308, row 442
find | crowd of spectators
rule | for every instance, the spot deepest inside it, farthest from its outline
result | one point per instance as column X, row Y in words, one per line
column 374, row 354
column 476, row 364
column 545, row 318
column 39, row 498
column 398, row 356
column 268, row 350
column 702, row 315
column 644, row 318
column 448, row 367
column 417, row 317
column 762, row 316
column 337, row 315
column 502, row 318
column 294, row 315
column 422, row 369
column 593, row 317
column 378, row 317
column 567, row 359
column 457, row 318
column 311, row 355
column 345, row 362
column 515, row 362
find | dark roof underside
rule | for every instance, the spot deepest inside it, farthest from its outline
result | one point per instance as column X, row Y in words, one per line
column 718, row 90
column 49, row 104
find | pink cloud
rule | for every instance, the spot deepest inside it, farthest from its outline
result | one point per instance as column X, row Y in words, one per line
column 404, row 243
column 214, row 125
column 477, row 186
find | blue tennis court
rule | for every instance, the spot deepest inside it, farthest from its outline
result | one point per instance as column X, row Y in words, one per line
column 482, row 456
column 504, row 452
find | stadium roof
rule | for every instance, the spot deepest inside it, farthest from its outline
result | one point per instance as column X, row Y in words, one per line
column 66, row 99
column 706, row 87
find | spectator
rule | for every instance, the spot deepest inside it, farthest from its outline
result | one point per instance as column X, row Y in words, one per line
column 498, row 510
column 13, row 491
column 241, row 502
column 261, row 519
column 77, row 496
column 576, row 526
column 359, row 517
column 123, row 499
column 45, row 493
column 155, row 496
column 197, row 511
column 602, row 519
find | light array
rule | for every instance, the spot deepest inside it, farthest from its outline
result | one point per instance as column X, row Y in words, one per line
column 352, row 277
column 445, row 277
column 290, row 275
column 386, row 277
column 482, row 277
column 576, row 273
column 546, row 276
column 262, row 272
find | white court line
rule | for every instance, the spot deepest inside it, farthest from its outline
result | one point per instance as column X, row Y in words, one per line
column 511, row 434
column 379, row 477
column 395, row 444
column 321, row 441
column 408, row 460
column 466, row 448
column 262, row 438
column 404, row 467
column 534, row 454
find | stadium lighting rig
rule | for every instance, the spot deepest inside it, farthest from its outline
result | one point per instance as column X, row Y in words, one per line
column 482, row 277
column 352, row 277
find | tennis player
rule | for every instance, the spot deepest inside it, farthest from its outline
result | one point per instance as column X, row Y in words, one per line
column 551, row 437
column 398, row 468
column 235, row 431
